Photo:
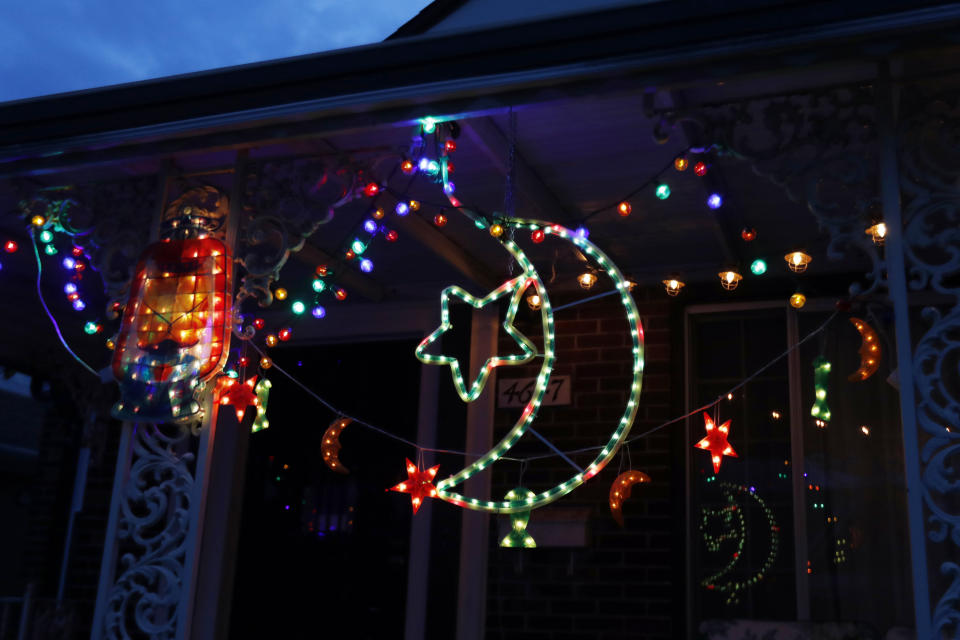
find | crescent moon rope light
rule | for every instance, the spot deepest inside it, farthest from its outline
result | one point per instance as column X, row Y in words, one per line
column 523, row 424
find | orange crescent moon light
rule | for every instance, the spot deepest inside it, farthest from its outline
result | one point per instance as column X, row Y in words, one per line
column 331, row 445
column 870, row 351
column 620, row 491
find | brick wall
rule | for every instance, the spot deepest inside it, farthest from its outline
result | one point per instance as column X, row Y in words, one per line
column 623, row 583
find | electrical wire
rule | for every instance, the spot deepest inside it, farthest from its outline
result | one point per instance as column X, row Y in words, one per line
column 56, row 327
column 556, row 452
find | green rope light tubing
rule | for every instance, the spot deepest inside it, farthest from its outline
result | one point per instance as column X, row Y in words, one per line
column 530, row 411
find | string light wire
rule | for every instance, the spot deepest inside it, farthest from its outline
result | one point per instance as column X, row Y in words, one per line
column 56, row 327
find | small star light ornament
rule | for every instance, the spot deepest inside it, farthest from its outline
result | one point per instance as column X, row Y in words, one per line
column 240, row 395
column 716, row 441
column 419, row 484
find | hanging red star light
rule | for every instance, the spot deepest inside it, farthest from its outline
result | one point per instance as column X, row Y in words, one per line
column 716, row 441
column 240, row 395
column 419, row 484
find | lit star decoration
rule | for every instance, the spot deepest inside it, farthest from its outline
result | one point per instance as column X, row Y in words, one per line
column 516, row 287
column 240, row 395
column 419, row 484
column 716, row 441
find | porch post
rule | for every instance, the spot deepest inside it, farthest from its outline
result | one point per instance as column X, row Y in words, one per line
column 897, row 285
column 475, row 530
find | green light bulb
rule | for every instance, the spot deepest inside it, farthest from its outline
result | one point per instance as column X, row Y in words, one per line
column 429, row 125
column 358, row 247
column 298, row 307
column 49, row 249
column 663, row 191
column 319, row 285
column 91, row 328
column 758, row 267
column 46, row 236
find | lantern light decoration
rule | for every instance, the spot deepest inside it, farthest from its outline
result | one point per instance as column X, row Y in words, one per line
column 821, row 376
column 681, row 163
column 798, row 261
column 730, row 279
column 663, row 191
column 587, row 279
column 877, row 232
column 518, row 536
column 797, row 300
column 700, row 169
column 624, row 209
column 673, row 286
column 758, row 267
column 534, row 301
column 175, row 332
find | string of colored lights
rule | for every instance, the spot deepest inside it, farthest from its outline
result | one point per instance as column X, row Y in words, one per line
column 46, row 309
column 570, row 452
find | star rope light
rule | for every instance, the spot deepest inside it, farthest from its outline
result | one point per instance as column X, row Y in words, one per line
column 516, row 287
column 419, row 484
column 530, row 411
column 241, row 395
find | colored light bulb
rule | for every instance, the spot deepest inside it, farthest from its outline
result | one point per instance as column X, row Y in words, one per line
column 265, row 362
column 402, row 208
column 340, row 294
column 79, row 305
column 450, row 145
column 681, row 163
column 797, row 300
column 370, row 226
column 271, row 340
column 318, row 312
column 322, row 270
column 77, row 252
column 758, row 267
column 358, row 247
column 319, row 285
column 440, row 220
column 534, row 301
column 407, row 167
column 69, row 263
column 280, row 293
column 433, row 167
column 259, row 323
column 749, row 234
column 414, row 205
column 298, row 307
column 424, row 163
column 366, row 265
column 624, row 209
column 46, row 236
column 700, row 169
column 714, row 200
column 391, row 236
column 91, row 328
column 49, row 250
column 429, row 125
column 587, row 279
column 38, row 221
column 10, row 246
column 69, row 288
column 496, row 230
column 449, row 188
column 377, row 214
column 663, row 191
column 371, row 189
column 583, row 232
column 285, row 334
column 538, row 236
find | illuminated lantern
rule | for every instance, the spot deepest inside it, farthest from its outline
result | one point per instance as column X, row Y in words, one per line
column 730, row 279
column 624, row 209
column 175, row 332
column 797, row 261
column 878, row 233
column 673, row 286
column 587, row 279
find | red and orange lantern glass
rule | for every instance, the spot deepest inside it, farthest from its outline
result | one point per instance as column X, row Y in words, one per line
column 176, row 327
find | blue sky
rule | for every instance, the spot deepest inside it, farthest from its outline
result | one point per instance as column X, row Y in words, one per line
column 51, row 46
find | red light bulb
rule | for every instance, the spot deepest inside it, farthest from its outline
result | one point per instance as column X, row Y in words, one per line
column 10, row 246
column 700, row 169
column 259, row 323
column 285, row 333
column 350, row 254
column 77, row 252
column 341, row 294
column 440, row 220
column 243, row 361
column 749, row 234
column 407, row 167
column 624, row 209
column 392, row 236
column 371, row 189
column 450, row 167
column 321, row 270
column 450, row 145
column 538, row 236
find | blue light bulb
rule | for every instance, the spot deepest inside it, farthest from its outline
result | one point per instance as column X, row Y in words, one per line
column 402, row 209
column 370, row 226
column 318, row 311
column 714, row 201
column 366, row 265
column 69, row 263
